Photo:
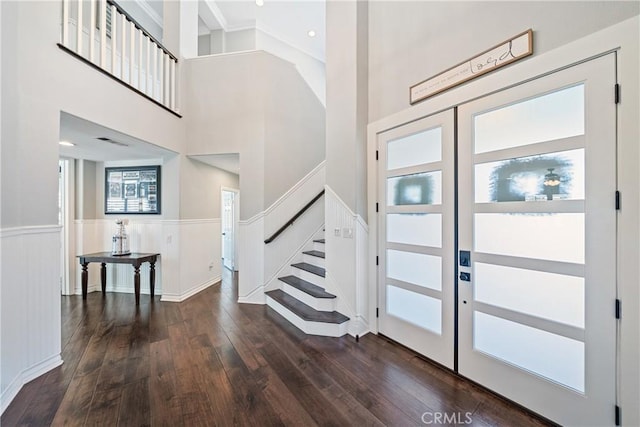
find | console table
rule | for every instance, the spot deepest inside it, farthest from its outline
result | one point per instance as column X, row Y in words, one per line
column 135, row 259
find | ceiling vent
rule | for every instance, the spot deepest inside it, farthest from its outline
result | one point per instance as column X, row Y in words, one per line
column 111, row 141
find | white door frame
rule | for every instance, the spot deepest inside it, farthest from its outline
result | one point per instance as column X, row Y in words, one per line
column 67, row 231
column 236, row 221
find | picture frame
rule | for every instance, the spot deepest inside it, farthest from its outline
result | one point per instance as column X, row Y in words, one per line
column 134, row 190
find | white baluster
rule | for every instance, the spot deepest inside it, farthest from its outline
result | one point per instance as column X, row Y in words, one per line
column 123, row 46
column 140, row 47
column 132, row 52
column 79, row 29
column 155, row 71
column 148, row 89
column 103, row 34
column 92, row 29
column 160, row 74
column 65, row 23
column 167, row 79
column 173, row 85
column 114, row 37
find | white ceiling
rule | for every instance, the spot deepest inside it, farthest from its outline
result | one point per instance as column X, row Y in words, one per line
column 84, row 134
column 287, row 20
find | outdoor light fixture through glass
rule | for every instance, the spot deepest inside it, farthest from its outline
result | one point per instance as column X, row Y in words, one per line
column 551, row 184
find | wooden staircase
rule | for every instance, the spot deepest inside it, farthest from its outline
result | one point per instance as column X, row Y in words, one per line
column 302, row 299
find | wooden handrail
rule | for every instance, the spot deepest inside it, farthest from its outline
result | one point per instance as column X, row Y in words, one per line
column 141, row 28
column 292, row 220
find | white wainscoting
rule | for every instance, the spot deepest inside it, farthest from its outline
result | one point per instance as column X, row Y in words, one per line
column 30, row 306
column 346, row 256
column 251, row 254
column 262, row 263
column 189, row 262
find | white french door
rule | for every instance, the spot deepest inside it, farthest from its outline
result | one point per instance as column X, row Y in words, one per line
column 537, row 215
column 535, row 177
column 416, row 266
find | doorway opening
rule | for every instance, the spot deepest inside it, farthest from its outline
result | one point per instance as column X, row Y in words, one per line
column 230, row 211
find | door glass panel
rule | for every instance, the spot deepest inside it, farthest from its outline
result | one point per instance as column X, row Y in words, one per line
column 552, row 356
column 548, row 117
column 415, row 229
column 550, row 296
column 418, row 269
column 416, row 189
column 416, row 149
column 553, row 176
column 420, row 310
column 555, row 237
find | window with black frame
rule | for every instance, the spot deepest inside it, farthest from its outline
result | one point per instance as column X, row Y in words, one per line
column 132, row 190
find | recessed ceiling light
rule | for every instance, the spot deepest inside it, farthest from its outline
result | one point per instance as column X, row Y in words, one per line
column 259, row 2
column 67, row 143
column 311, row 33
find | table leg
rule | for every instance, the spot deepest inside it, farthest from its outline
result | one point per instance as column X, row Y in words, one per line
column 136, row 283
column 85, row 279
column 152, row 278
column 103, row 278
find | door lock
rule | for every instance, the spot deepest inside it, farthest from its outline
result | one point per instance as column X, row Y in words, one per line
column 464, row 276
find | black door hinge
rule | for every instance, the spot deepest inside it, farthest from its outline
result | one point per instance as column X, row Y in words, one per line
column 377, row 312
column 618, row 416
column 617, row 200
column 377, row 260
column 376, row 154
column 618, row 309
column 376, row 207
column 617, row 93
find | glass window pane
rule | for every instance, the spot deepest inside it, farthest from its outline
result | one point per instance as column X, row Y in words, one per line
column 416, row 149
column 554, row 176
column 547, row 295
column 555, row 237
column 415, row 229
column 416, row 189
column 552, row 356
column 419, row 269
column 545, row 118
column 420, row 310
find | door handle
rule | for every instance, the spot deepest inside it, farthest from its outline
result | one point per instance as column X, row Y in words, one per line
column 465, row 277
column 465, row 258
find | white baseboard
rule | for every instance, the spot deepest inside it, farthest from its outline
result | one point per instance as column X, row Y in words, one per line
column 191, row 292
column 255, row 297
column 25, row 376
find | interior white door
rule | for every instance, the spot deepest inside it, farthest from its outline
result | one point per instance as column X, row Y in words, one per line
column 416, row 263
column 228, row 228
column 537, row 187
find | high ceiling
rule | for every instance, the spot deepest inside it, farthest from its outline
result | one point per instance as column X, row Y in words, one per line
column 287, row 20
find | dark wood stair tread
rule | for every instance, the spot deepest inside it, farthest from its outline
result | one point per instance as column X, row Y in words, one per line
column 314, row 269
column 318, row 254
column 304, row 311
column 306, row 287
column 319, row 240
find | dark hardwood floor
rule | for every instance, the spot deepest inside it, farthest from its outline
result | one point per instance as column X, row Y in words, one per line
column 211, row 361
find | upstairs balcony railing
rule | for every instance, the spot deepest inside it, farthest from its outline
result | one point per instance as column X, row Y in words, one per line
column 102, row 34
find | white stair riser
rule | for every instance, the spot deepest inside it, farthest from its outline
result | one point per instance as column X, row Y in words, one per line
column 310, row 259
column 320, row 304
column 311, row 328
column 309, row 277
column 318, row 246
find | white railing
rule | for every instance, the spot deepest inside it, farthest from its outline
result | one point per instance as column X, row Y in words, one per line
column 102, row 33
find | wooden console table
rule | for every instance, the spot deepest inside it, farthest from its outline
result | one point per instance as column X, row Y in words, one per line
column 135, row 259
